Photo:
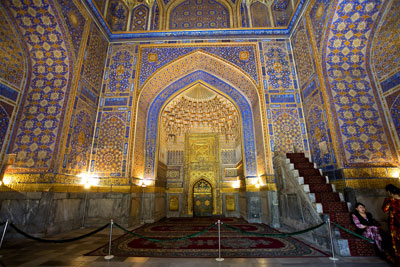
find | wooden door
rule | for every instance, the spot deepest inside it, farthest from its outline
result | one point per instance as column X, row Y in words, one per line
column 202, row 199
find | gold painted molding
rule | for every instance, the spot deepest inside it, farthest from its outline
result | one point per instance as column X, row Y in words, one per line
column 378, row 183
column 373, row 172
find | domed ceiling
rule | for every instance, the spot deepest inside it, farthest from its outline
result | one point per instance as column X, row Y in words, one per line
column 201, row 110
column 127, row 19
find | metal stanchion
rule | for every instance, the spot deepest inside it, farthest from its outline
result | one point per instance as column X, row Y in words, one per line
column 333, row 258
column 2, row 236
column 109, row 256
column 219, row 242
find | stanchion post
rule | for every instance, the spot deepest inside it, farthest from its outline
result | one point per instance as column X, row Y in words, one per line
column 219, row 242
column 109, row 256
column 333, row 258
column 2, row 236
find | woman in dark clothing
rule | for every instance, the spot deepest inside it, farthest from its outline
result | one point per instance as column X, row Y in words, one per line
column 366, row 225
column 391, row 206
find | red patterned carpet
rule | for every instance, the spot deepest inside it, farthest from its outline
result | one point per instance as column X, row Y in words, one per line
column 233, row 243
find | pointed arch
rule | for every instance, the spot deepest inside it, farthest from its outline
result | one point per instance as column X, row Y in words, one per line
column 225, row 3
column 200, row 60
column 152, row 127
column 139, row 18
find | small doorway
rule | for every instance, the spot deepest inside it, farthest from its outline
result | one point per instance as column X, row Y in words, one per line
column 202, row 199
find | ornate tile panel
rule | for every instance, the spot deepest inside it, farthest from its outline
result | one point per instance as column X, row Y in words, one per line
column 258, row 15
column 386, row 49
column 41, row 120
column 120, row 72
column 80, row 137
column 391, row 82
column 318, row 135
column 8, row 92
column 394, row 106
column 280, row 5
column 287, row 130
column 359, row 123
column 245, row 15
column 117, row 15
column 195, row 61
column 282, row 16
column 74, row 21
column 199, row 14
column 139, row 18
column 303, row 53
column 319, row 14
column 95, row 56
column 277, row 65
column 12, row 55
column 100, row 5
column 154, row 58
column 116, row 102
column 6, row 111
column 155, row 18
column 110, row 144
column 286, row 125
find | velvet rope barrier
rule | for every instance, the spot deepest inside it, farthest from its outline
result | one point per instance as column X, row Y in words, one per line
column 167, row 239
column 355, row 234
column 274, row 235
column 60, row 240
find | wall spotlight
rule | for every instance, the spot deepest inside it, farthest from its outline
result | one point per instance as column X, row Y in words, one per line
column 88, row 180
column 236, row 184
column 7, row 180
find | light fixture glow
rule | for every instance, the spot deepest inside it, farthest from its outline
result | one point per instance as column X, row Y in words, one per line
column 88, row 180
column 7, row 180
column 236, row 184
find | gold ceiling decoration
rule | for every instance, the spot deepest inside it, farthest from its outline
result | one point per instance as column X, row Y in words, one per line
column 199, row 93
column 198, row 108
column 266, row 2
column 133, row 3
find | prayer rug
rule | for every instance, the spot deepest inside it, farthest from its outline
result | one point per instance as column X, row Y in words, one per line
column 233, row 243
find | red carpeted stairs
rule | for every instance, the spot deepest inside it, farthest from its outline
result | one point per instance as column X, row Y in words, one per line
column 319, row 188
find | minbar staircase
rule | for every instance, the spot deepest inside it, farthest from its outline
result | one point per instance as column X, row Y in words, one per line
column 329, row 202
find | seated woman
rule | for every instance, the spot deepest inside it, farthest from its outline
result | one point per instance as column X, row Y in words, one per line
column 366, row 225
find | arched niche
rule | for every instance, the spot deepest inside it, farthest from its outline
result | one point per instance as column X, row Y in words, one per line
column 225, row 3
column 152, row 122
column 194, row 66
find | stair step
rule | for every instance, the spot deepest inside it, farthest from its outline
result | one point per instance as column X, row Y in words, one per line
column 359, row 247
column 303, row 165
column 327, row 197
column 299, row 160
column 319, row 188
column 327, row 201
column 318, row 179
column 334, row 207
column 342, row 218
column 309, row 172
column 346, row 235
column 295, row 155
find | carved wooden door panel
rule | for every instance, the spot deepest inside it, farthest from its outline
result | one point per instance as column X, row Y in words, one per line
column 202, row 199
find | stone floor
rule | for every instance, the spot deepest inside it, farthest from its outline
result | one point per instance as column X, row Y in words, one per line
column 22, row 252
